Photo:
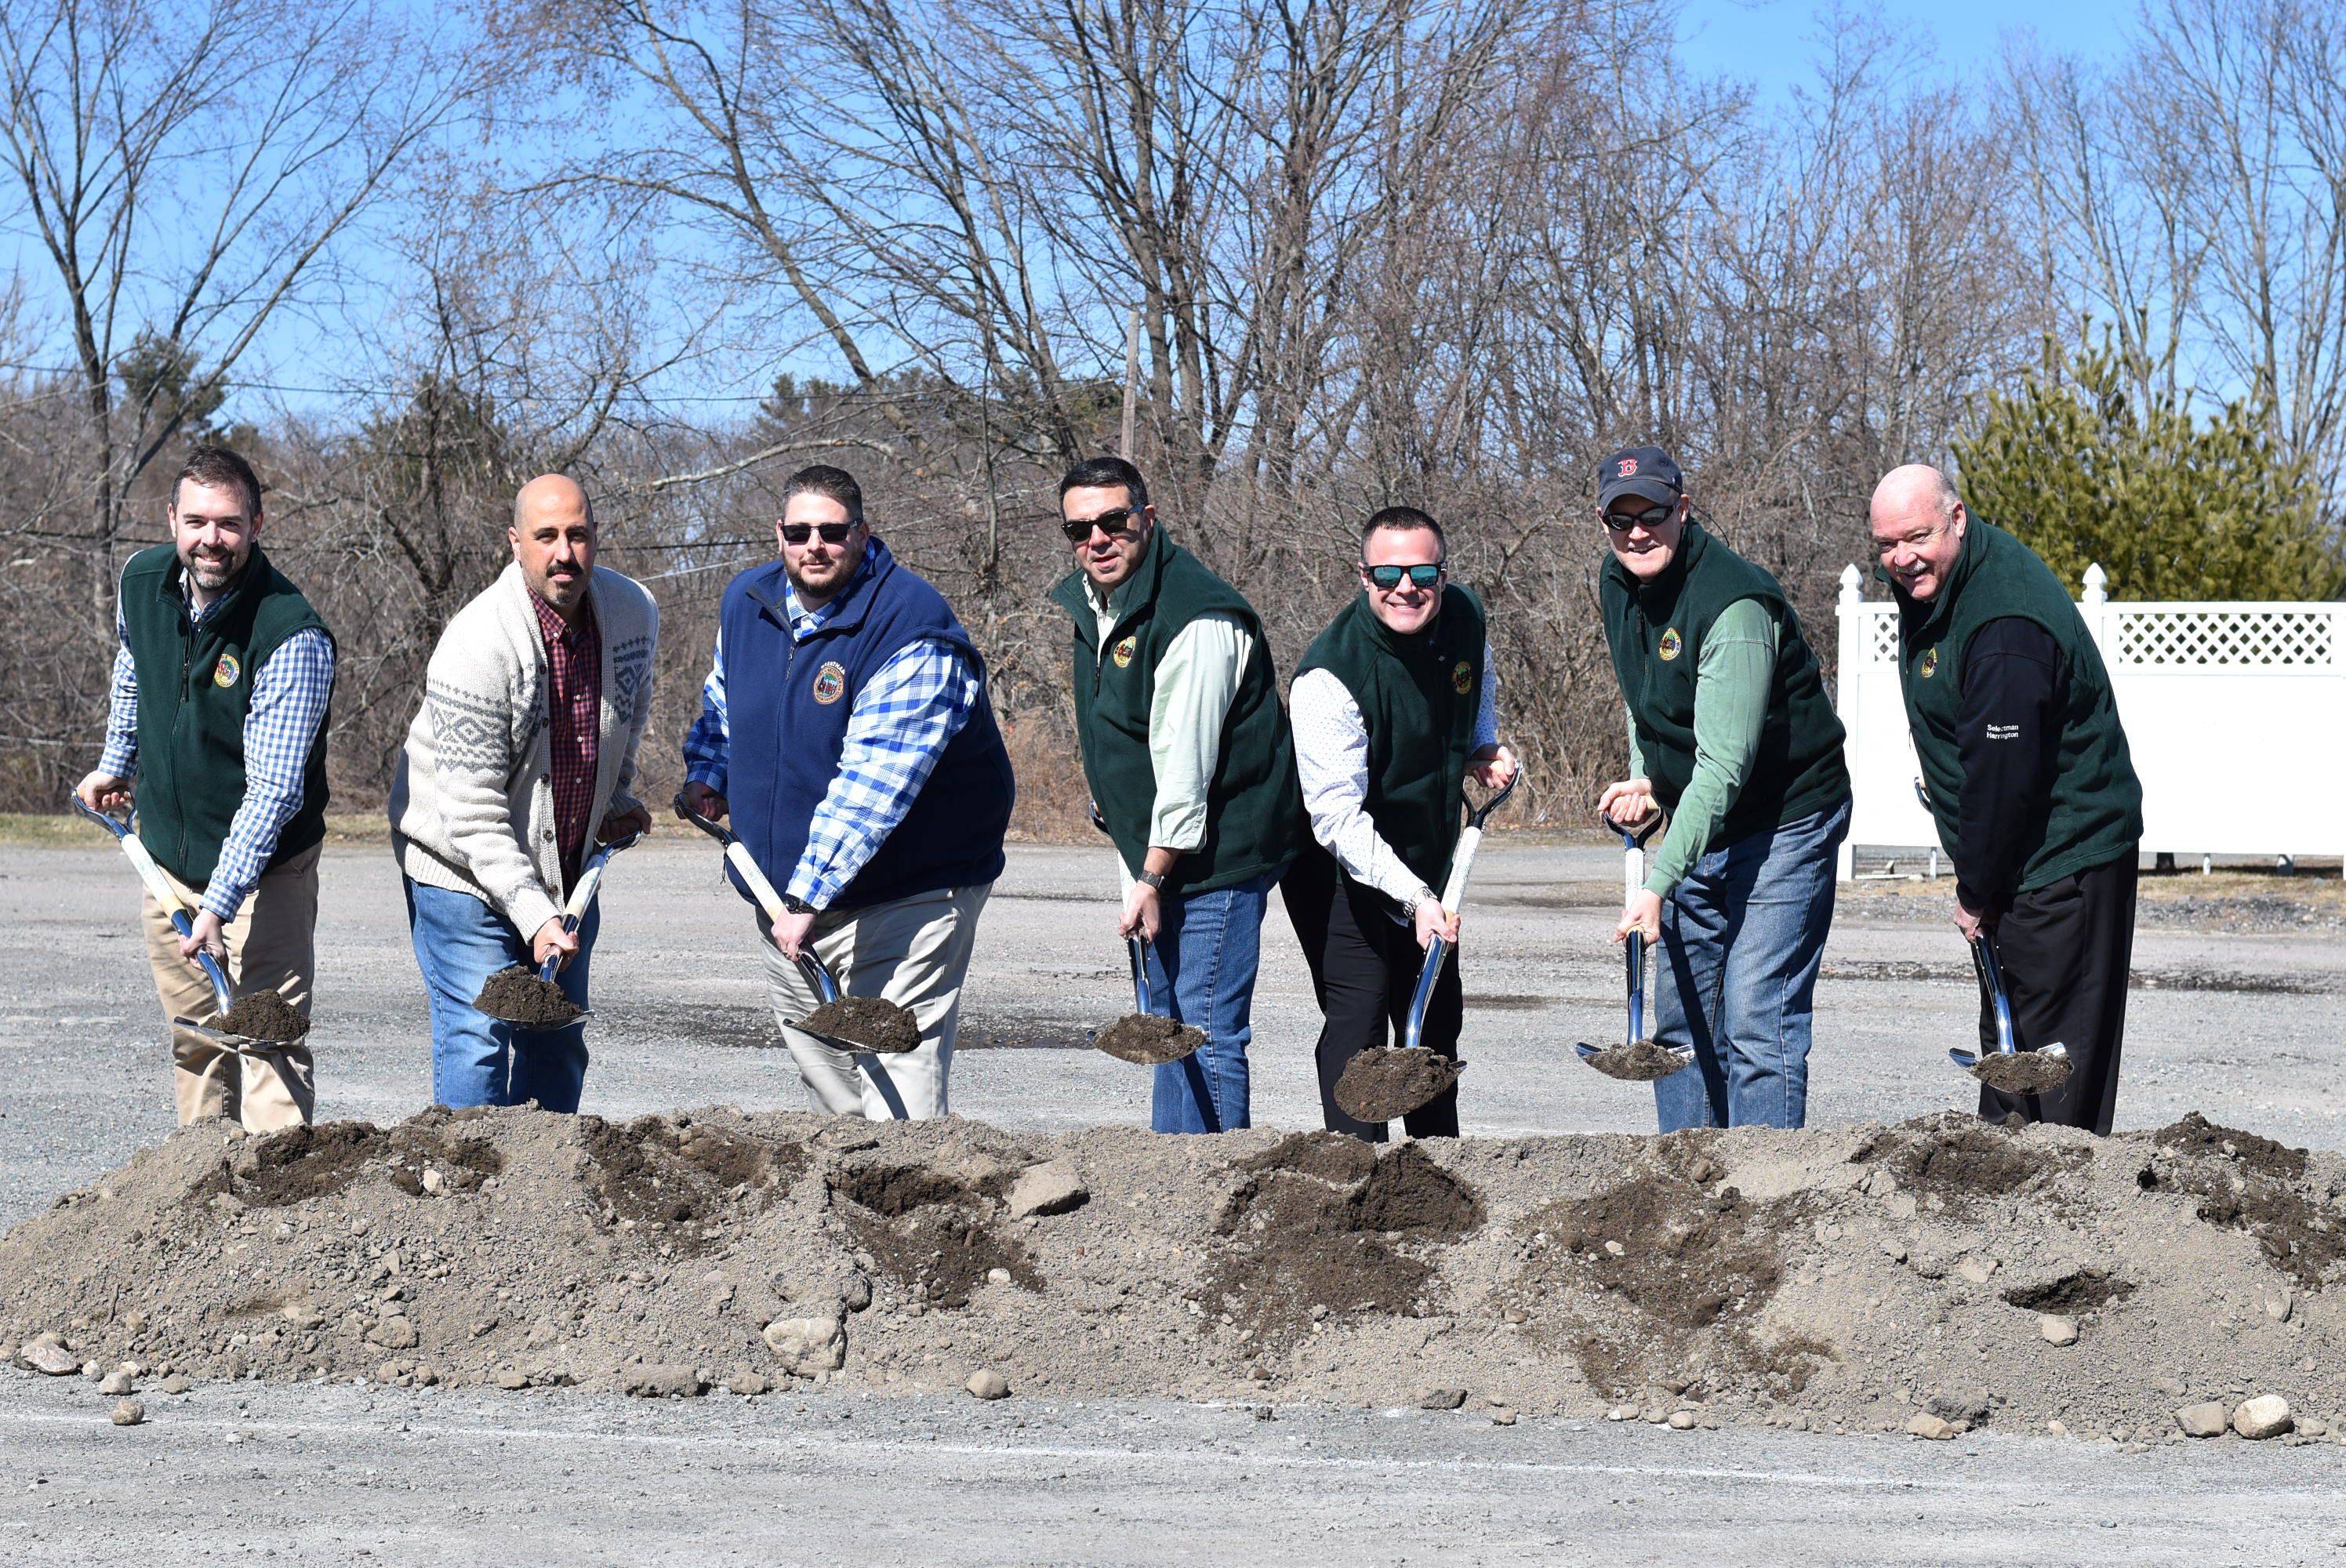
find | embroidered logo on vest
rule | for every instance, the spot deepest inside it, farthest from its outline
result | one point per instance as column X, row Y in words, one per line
column 1672, row 642
column 1462, row 679
column 1122, row 653
column 1930, row 663
column 829, row 682
column 225, row 672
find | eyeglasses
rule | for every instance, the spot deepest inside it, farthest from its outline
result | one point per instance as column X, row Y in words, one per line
column 832, row 533
column 1389, row 577
column 1115, row 524
column 1622, row 521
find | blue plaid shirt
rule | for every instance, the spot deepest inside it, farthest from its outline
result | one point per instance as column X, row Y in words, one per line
column 902, row 721
column 289, row 700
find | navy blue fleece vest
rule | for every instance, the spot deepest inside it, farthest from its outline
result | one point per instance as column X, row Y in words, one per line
column 787, row 704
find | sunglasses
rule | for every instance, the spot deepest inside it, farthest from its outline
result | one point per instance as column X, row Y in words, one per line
column 1622, row 521
column 1389, row 577
column 832, row 533
column 1115, row 524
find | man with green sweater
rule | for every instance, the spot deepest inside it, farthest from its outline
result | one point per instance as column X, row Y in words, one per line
column 2028, row 776
column 1191, row 768
column 1394, row 704
column 219, row 712
column 1730, row 732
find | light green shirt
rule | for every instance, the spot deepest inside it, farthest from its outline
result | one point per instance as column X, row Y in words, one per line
column 1730, row 709
column 1197, row 681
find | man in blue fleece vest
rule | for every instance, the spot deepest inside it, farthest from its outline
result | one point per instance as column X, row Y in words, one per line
column 845, row 726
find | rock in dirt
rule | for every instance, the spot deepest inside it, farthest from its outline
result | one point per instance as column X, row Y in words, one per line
column 808, row 1345
column 2057, row 1331
column 264, row 1015
column 2265, row 1416
column 128, row 1413
column 48, row 1357
column 176, row 1384
column 988, row 1384
column 518, row 996
column 118, row 1381
column 871, row 1023
column 1055, row 1186
column 2021, row 1071
column 1442, row 1399
column 1682, row 1420
column 394, row 1334
column 1637, row 1062
column 1922, row 1425
column 1149, row 1039
column 1503, row 1418
column 658, row 1379
column 1382, row 1083
column 2203, row 1420
column 745, row 1382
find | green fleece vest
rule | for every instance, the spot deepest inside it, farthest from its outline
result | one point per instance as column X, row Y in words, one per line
column 1418, row 695
column 2094, row 812
column 195, row 684
column 1254, row 807
column 1657, row 631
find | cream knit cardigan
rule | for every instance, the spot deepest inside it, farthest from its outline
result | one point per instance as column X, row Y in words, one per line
column 472, row 807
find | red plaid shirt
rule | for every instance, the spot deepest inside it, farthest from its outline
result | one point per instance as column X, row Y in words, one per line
column 574, row 702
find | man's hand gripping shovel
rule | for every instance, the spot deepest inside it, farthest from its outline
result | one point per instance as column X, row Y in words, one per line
column 216, row 1028
column 530, row 1001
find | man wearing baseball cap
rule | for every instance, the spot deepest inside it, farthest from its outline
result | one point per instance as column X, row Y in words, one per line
column 1731, row 734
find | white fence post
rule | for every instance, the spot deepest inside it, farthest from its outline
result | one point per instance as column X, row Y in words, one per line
column 1851, row 657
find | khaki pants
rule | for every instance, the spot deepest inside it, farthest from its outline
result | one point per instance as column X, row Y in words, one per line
column 914, row 953
column 272, row 945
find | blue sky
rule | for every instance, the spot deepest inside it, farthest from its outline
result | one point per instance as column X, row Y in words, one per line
column 1770, row 44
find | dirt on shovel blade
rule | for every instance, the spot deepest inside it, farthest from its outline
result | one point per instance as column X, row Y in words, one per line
column 2021, row 1071
column 869, row 1022
column 517, row 995
column 1149, row 1039
column 1380, row 1083
column 1638, row 1062
column 264, row 1015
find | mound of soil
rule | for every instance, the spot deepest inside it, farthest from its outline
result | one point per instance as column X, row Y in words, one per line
column 1638, row 1061
column 1149, row 1039
column 1382, row 1083
column 867, row 1022
column 1838, row 1278
column 2021, row 1071
column 518, row 996
column 264, row 1015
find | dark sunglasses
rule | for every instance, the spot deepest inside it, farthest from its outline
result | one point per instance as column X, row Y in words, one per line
column 1115, row 524
column 1622, row 521
column 1389, row 577
column 832, row 533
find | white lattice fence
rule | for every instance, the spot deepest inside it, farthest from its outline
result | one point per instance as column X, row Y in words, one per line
column 2221, row 703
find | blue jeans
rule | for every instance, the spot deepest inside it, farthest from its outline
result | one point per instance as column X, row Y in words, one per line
column 1201, row 971
column 1742, row 938
column 477, row 1060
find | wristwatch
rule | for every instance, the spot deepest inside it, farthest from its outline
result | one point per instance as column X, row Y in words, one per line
column 797, row 905
column 1422, row 896
column 1151, row 878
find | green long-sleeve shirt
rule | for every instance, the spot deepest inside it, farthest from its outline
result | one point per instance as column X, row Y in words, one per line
column 1732, row 687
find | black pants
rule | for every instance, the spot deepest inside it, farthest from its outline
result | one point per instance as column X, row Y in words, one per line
column 1364, row 968
column 2067, row 951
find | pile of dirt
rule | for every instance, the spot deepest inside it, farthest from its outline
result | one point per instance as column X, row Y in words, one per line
column 1856, row 1278
column 1149, row 1039
column 1638, row 1061
column 264, row 1015
column 2021, row 1071
column 518, row 996
column 868, row 1021
column 1383, row 1082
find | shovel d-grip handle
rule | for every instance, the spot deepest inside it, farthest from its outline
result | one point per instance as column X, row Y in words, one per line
column 125, row 831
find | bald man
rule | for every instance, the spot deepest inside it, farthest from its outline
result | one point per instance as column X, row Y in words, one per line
column 533, row 707
column 2029, row 778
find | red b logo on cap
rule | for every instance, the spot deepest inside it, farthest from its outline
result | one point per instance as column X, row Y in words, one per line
column 1628, row 467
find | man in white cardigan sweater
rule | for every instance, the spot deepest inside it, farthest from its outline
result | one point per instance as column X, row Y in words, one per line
column 534, row 705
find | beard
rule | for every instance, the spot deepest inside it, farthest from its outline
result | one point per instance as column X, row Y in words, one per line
column 214, row 570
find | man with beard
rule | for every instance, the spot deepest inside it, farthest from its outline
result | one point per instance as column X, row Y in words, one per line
column 2029, row 778
column 534, row 705
column 845, row 726
column 218, row 711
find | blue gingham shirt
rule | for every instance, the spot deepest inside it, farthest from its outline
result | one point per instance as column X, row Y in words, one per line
column 902, row 721
column 289, row 701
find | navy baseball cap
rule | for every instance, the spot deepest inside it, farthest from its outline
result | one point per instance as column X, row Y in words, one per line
column 1645, row 471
